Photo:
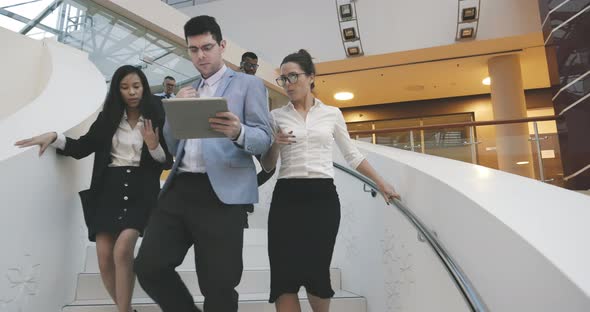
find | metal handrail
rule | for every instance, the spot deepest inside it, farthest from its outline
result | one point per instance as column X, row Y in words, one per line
column 456, row 125
column 471, row 296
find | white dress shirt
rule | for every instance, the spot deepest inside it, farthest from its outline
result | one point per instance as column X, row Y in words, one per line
column 311, row 154
column 193, row 160
column 163, row 95
column 127, row 144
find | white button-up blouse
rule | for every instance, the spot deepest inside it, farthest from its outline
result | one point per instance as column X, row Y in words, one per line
column 311, row 154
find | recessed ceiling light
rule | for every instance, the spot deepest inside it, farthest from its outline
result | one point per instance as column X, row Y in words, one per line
column 522, row 163
column 343, row 96
column 487, row 81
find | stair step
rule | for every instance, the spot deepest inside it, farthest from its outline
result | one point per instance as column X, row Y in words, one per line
column 254, row 256
column 254, row 281
column 255, row 253
column 343, row 301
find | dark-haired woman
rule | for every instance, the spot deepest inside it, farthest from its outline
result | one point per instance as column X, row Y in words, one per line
column 305, row 210
column 129, row 157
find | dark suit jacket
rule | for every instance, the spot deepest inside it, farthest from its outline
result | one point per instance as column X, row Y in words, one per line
column 98, row 140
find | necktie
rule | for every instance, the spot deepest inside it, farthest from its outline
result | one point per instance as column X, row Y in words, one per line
column 205, row 90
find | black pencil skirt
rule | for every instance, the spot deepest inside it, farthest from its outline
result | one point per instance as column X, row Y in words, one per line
column 123, row 202
column 302, row 227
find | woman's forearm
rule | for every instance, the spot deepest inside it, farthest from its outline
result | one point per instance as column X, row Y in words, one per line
column 366, row 169
column 269, row 159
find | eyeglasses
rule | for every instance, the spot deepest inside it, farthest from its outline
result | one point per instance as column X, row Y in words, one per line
column 291, row 77
column 205, row 48
column 250, row 65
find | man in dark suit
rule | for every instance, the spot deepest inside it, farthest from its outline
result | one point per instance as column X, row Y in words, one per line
column 169, row 85
column 249, row 65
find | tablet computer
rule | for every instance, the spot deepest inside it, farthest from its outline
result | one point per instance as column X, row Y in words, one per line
column 188, row 118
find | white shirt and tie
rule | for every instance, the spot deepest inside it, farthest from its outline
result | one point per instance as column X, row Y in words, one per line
column 193, row 160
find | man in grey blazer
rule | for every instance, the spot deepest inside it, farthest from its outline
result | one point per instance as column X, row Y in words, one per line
column 202, row 202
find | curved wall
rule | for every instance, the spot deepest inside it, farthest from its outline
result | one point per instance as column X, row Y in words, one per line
column 43, row 236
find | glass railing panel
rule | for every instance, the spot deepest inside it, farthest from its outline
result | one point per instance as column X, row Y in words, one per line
column 362, row 126
column 549, row 159
column 400, row 139
column 514, row 154
column 405, row 140
column 453, row 143
column 530, row 155
column 529, row 149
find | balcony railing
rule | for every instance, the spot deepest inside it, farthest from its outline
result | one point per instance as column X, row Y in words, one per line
column 479, row 142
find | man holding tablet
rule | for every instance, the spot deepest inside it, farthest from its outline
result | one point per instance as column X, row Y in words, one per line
column 202, row 202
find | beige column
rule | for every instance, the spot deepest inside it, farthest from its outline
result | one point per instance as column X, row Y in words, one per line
column 508, row 102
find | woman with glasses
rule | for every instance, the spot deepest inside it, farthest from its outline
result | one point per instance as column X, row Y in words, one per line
column 129, row 156
column 305, row 209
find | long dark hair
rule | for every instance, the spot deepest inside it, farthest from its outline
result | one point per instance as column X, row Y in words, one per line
column 304, row 60
column 114, row 105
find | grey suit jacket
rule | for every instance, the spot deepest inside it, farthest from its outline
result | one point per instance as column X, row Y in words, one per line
column 230, row 167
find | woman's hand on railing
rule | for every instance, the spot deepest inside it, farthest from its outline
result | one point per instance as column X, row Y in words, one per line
column 388, row 192
column 43, row 140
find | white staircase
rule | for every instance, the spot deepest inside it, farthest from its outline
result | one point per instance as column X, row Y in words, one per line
column 254, row 288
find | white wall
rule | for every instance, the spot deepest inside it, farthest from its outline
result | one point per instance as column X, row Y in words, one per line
column 520, row 241
column 381, row 258
column 43, row 236
column 277, row 28
column 25, row 71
